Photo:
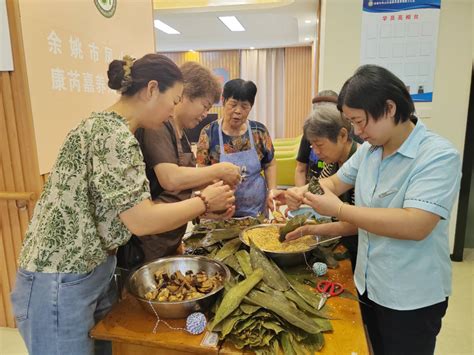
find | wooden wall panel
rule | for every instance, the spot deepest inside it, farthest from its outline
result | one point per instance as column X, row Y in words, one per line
column 19, row 171
column 229, row 60
column 298, row 64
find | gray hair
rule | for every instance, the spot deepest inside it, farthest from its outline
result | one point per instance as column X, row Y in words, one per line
column 325, row 122
column 325, row 97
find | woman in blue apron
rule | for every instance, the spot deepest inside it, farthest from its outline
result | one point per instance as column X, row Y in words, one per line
column 245, row 143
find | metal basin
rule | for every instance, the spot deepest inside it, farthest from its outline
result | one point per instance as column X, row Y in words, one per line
column 287, row 259
column 142, row 280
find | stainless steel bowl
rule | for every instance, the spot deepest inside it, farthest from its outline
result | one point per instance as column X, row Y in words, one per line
column 142, row 281
column 287, row 259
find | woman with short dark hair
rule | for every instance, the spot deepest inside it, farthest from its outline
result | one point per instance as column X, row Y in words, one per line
column 406, row 179
column 238, row 140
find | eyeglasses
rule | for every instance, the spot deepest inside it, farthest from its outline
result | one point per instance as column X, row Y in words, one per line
column 360, row 124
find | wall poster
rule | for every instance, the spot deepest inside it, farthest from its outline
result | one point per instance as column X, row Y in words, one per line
column 402, row 35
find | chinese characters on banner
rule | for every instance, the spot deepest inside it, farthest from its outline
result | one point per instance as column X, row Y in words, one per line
column 402, row 35
column 70, row 79
column 68, row 47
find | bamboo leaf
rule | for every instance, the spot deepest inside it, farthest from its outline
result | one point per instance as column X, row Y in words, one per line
column 286, row 344
column 228, row 249
column 249, row 308
column 290, row 313
column 234, row 296
column 232, row 262
column 273, row 276
column 224, row 234
column 312, row 298
column 243, row 258
column 301, row 303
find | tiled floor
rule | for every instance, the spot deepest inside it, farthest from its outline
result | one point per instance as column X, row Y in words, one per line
column 456, row 337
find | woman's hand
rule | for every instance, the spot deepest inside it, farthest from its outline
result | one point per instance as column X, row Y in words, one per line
column 302, row 231
column 275, row 198
column 220, row 216
column 294, row 197
column 229, row 173
column 327, row 204
column 219, row 196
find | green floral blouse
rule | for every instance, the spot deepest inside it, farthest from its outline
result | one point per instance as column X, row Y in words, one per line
column 98, row 174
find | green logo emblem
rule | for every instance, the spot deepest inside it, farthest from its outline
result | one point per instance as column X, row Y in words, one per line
column 106, row 7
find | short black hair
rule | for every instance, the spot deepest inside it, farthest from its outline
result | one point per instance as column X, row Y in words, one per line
column 240, row 90
column 369, row 89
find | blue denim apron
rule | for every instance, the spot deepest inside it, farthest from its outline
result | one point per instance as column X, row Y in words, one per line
column 251, row 193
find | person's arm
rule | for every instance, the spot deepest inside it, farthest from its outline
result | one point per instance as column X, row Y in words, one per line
column 270, row 172
column 331, row 229
column 119, row 185
column 398, row 223
column 300, row 173
column 177, row 178
column 149, row 218
column 270, row 177
column 429, row 197
column 268, row 161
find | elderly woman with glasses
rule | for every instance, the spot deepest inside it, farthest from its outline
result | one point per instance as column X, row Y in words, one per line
column 238, row 140
column 170, row 162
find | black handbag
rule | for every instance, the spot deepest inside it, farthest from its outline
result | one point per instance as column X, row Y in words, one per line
column 131, row 254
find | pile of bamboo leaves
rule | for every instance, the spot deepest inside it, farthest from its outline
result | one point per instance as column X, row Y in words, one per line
column 266, row 310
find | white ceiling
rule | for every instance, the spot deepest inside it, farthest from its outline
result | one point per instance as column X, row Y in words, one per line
column 266, row 27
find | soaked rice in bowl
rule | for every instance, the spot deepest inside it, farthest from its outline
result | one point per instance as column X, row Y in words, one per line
column 266, row 238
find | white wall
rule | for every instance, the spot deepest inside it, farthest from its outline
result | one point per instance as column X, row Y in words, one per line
column 447, row 114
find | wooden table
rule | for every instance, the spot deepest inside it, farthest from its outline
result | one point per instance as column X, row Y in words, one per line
column 129, row 328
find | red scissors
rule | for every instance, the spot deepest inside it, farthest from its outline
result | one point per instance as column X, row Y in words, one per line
column 328, row 289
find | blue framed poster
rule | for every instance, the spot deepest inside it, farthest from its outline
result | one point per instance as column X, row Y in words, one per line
column 402, row 36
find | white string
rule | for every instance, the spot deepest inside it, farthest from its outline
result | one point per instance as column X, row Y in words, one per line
column 158, row 320
column 306, row 262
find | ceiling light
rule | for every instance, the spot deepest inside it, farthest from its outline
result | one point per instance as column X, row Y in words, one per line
column 307, row 38
column 165, row 28
column 252, row 47
column 232, row 23
column 307, row 21
column 192, row 50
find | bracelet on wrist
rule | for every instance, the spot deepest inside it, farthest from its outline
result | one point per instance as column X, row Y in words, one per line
column 204, row 200
column 339, row 211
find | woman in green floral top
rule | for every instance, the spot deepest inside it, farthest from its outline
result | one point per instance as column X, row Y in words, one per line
column 96, row 197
